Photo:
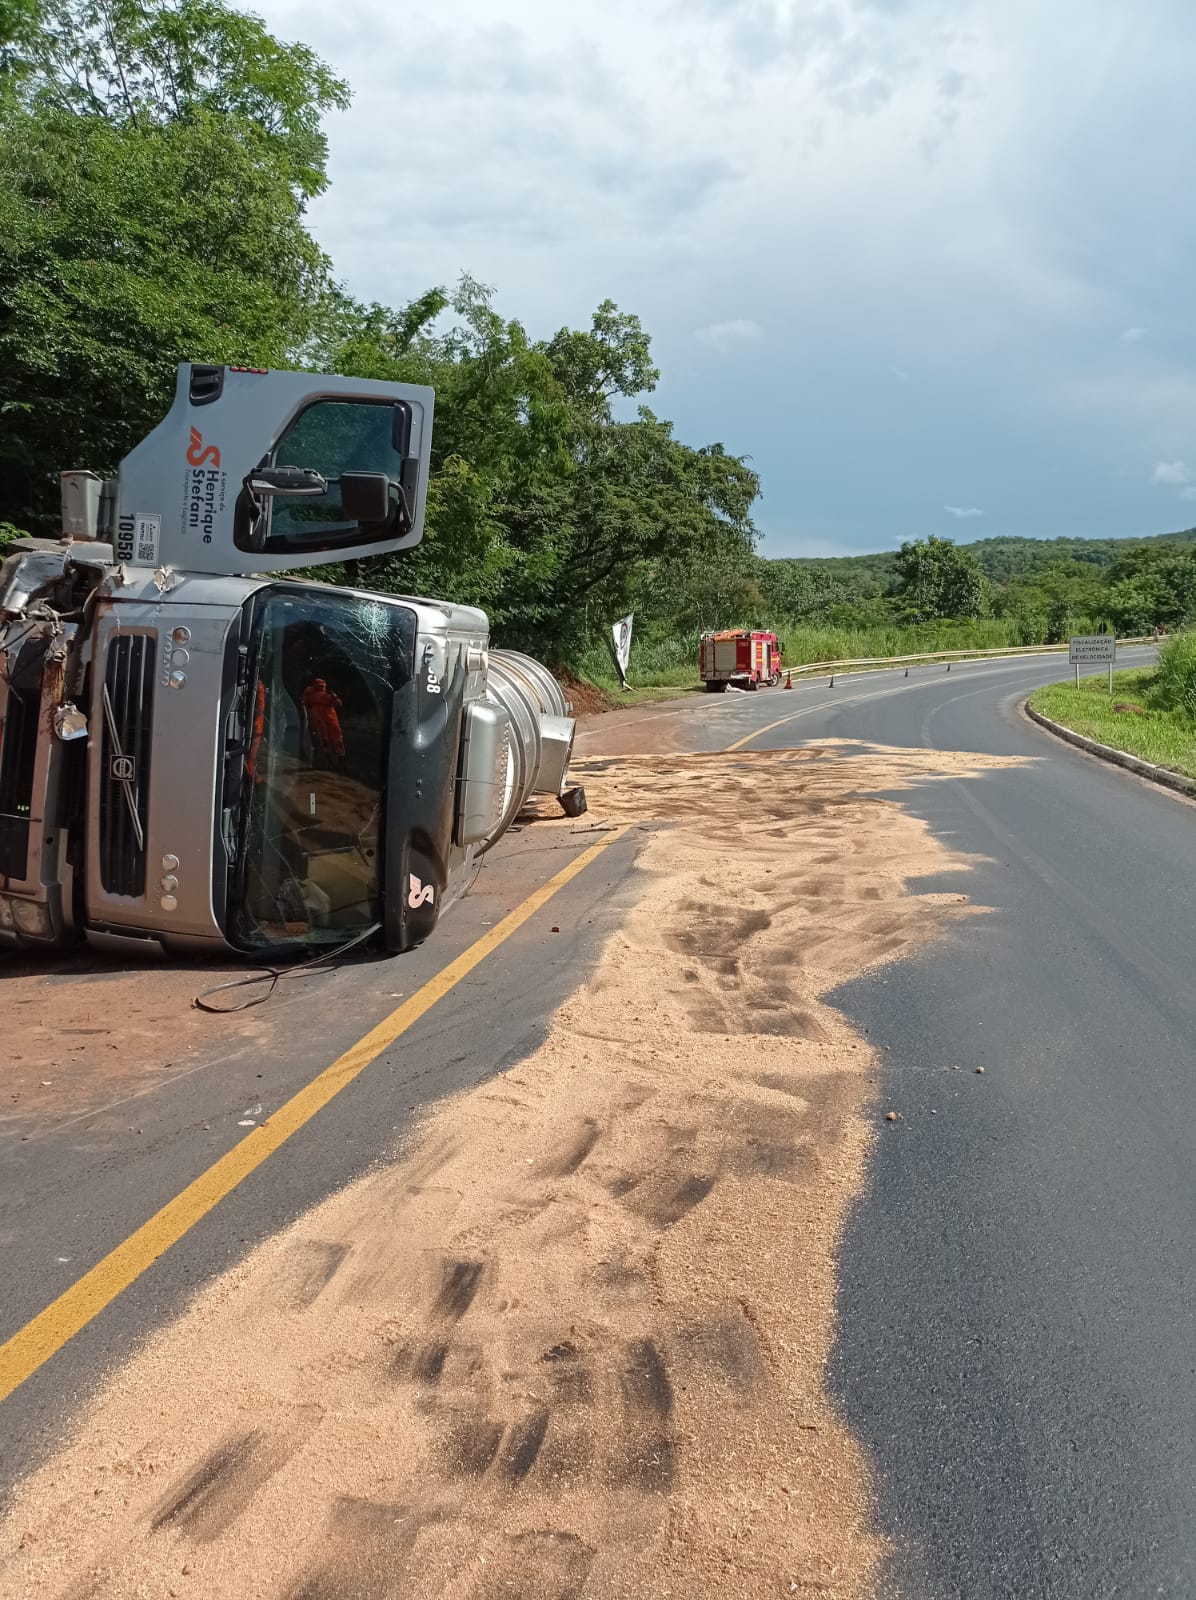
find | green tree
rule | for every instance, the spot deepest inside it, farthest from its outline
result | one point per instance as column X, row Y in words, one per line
column 936, row 579
column 154, row 167
column 542, row 505
column 19, row 30
column 1152, row 586
column 147, row 63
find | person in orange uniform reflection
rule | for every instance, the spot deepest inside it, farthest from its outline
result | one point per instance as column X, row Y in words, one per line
column 259, row 729
column 321, row 705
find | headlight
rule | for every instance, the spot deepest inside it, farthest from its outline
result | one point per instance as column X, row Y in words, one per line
column 5, row 912
column 32, row 918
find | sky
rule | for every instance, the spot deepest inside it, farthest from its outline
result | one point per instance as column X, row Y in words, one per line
column 928, row 263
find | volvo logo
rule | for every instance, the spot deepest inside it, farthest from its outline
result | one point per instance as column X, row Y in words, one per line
column 124, row 769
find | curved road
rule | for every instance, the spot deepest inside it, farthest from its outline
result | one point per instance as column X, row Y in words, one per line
column 1017, row 1342
column 1018, row 1338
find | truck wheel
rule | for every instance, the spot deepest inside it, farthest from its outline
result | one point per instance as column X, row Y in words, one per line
column 774, row 680
column 573, row 802
column 753, row 684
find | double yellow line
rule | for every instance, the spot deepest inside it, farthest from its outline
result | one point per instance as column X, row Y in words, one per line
column 63, row 1318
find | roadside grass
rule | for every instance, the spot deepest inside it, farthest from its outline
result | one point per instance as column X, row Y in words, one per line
column 822, row 643
column 1167, row 738
column 643, row 694
column 656, row 672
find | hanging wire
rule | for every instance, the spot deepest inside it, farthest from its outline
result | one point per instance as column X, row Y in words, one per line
column 325, row 961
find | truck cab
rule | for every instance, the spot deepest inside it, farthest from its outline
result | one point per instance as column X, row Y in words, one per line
column 200, row 751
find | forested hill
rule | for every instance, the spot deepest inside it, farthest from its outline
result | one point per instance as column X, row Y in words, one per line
column 1000, row 559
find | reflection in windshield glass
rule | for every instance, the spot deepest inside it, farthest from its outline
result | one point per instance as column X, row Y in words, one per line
column 333, row 437
column 315, row 767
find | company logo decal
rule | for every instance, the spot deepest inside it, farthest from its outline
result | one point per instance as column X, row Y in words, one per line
column 201, row 455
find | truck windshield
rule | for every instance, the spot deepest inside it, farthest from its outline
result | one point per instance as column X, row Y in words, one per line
column 306, row 867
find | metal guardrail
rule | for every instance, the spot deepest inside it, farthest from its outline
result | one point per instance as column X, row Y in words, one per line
column 1013, row 650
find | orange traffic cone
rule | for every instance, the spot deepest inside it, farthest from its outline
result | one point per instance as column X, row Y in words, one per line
column 788, row 680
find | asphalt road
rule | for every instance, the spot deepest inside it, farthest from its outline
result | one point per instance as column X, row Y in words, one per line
column 1017, row 1334
column 1017, row 1340
column 72, row 1187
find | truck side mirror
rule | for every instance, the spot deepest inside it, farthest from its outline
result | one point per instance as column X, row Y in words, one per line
column 365, row 496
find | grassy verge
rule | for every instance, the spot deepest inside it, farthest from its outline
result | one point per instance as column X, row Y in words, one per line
column 839, row 644
column 643, row 694
column 593, row 692
column 656, row 673
column 1165, row 737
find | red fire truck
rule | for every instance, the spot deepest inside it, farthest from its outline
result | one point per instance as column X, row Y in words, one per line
column 746, row 659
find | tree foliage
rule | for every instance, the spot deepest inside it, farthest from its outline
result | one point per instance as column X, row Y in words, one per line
column 148, row 63
column 122, row 251
column 543, row 505
column 935, row 578
column 156, row 159
column 154, row 165
column 1043, row 590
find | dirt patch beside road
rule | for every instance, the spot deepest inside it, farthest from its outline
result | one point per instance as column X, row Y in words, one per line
column 630, row 731
column 81, row 1033
column 572, row 1343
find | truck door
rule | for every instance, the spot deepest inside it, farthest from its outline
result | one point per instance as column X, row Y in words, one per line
column 206, row 491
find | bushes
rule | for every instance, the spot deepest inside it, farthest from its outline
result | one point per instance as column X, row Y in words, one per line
column 669, row 660
column 1174, row 686
column 843, row 644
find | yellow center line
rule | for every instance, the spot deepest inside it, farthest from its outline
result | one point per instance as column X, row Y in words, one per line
column 808, row 711
column 62, row 1319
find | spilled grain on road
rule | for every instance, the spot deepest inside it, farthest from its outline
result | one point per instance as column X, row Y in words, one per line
column 572, row 1343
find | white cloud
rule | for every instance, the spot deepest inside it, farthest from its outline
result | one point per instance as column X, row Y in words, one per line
column 1189, row 493
column 1175, row 472
column 964, row 511
column 987, row 191
column 725, row 335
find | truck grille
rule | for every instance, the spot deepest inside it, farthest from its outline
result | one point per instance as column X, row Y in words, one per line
column 127, row 710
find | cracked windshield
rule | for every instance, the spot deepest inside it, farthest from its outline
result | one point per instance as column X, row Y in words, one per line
column 315, row 769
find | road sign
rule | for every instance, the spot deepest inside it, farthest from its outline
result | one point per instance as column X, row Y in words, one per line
column 621, row 638
column 1092, row 650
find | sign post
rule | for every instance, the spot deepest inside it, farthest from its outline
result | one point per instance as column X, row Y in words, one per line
column 1093, row 650
column 621, row 644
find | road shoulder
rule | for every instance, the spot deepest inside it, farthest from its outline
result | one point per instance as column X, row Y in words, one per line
column 1163, row 776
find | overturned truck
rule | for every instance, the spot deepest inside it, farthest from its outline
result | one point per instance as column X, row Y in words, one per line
column 199, row 751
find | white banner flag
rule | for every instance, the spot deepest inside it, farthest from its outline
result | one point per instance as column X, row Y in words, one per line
column 621, row 635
